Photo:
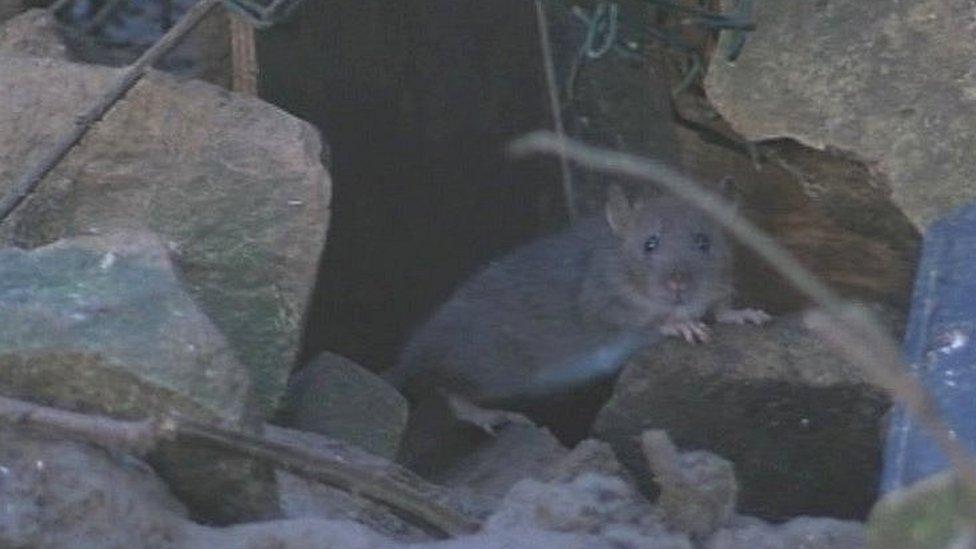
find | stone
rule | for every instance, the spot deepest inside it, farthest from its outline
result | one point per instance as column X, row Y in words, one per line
column 286, row 534
column 10, row 8
column 102, row 324
column 698, row 489
column 484, row 474
column 336, row 397
column 334, row 534
column 233, row 186
column 589, row 456
column 302, row 498
column 449, row 445
column 602, row 507
column 33, row 33
column 888, row 83
column 531, row 538
column 772, row 400
column 58, row 493
column 799, row 533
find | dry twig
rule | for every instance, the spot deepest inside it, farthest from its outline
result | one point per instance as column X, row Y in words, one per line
column 244, row 55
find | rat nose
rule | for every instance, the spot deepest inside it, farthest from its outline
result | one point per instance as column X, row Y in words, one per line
column 677, row 281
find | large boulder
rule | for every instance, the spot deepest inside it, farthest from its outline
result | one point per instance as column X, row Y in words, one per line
column 889, row 83
column 801, row 427
column 234, row 187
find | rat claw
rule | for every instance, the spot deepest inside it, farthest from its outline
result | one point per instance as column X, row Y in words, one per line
column 487, row 419
column 743, row 316
column 692, row 331
column 701, row 331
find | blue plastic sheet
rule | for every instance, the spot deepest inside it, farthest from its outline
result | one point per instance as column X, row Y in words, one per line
column 940, row 346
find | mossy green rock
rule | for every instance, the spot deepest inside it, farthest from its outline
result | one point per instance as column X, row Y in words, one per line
column 102, row 324
column 931, row 514
column 234, row 187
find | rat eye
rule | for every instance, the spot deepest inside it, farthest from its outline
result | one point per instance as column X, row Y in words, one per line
column 651, row 243
column 702, row 241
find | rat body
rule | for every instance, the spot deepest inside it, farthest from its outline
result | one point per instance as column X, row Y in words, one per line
column 567, row 309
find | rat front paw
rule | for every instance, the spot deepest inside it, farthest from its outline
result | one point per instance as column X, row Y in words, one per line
column 487, row 419
column 743, row 316
column 691, row 331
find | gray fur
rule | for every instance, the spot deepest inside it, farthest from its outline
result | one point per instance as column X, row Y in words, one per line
column 568, row 308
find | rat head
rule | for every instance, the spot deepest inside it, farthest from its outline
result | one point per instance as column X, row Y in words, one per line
column 674, row 255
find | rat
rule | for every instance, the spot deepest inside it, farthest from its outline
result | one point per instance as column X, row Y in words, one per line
column 566, row 310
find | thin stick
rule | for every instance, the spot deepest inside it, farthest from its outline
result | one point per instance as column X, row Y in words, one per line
column 84, row 122
column 133, row 437
column 243, row 55
column 569, row 192
column 392, row 488
column 865, row 341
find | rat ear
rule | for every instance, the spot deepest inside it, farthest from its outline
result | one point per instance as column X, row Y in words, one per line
column 618, row 210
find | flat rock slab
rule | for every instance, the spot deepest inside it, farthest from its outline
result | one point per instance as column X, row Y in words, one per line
column 801, row 427
column 234, row 186
column 334, row 396
column 102, row 324
column 889, row 82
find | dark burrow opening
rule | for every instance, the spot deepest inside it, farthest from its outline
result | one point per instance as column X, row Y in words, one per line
column 417, row 102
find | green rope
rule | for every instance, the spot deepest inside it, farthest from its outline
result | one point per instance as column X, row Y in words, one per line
column 603, row 27
column 603, row 22
column 737, row 22
column 602, row 36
